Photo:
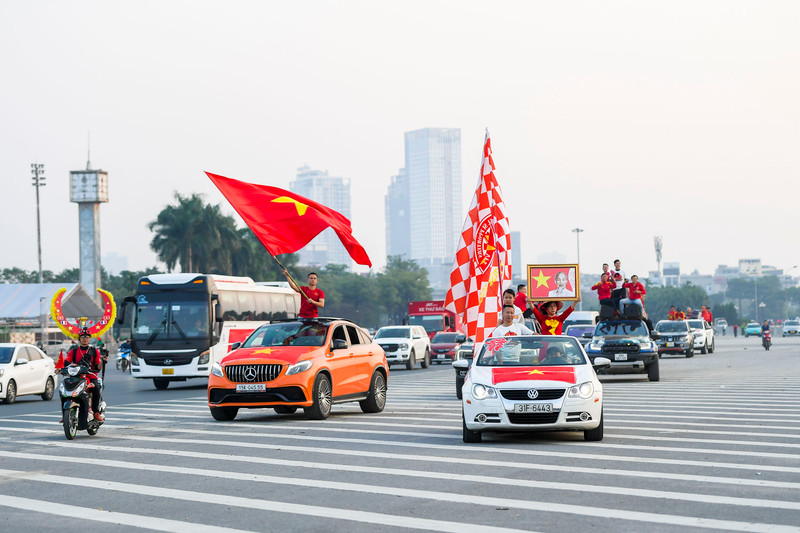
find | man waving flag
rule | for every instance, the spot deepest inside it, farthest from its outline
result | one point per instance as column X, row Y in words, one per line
column 482, row 266
column 284, row 221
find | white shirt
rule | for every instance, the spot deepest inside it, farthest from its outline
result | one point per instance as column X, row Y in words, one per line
column 513, row 329
column 562, row 291
column 621, row 281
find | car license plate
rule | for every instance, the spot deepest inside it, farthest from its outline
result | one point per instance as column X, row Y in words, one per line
column 670, row 344
column 620, row 357
column 440, row 356
column 533, row 407
column 251, row 387
column 167, row 371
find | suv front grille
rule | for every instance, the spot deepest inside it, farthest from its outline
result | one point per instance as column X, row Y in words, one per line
column 522, row 394
column 252, row 373
column 621, row 347
column 389, row 347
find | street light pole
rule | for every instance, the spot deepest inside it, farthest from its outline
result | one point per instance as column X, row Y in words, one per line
column 577, row 232
column 37, row 169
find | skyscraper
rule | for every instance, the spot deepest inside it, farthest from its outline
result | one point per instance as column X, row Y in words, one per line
column 432, row 182
column 332, row 192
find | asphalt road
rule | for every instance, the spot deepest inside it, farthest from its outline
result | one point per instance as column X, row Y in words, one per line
column 715, row 445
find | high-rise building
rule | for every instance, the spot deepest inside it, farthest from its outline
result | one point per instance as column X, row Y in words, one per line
column 517, row 268
column 333, row 192
column 398, row 217
column 432, row 181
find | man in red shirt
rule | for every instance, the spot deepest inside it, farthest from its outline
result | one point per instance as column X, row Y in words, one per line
column 637, row 292
column 313, row 299
column 672, row 313
column 604, row 288
column 706, row 314
column 521, row 299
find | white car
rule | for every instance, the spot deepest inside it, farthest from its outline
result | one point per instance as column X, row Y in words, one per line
column 791, row 328
column 703, row 335
column 405, row 344
column 533, row 383
column 25, row 369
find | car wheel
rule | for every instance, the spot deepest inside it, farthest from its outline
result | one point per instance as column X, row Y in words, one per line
column 161, row 383
column 468, row 434
column 49, row 389
column 322, row 397
column 285, row 409
column 596, row 434
column 412, row 361
column 224, row 414
column 376, row 400
column 703, row 350
column 459, row 384
column 11, row 392
column 690, row 353
column 712, row 347
column 426, row 361
column 653, row 371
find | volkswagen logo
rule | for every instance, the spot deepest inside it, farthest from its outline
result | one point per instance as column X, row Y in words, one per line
column 533, row 394
column 167, row 362
column 250, row 373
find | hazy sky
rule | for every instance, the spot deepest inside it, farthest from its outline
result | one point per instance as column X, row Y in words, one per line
column 627, row 119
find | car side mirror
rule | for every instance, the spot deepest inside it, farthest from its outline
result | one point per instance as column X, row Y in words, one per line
column 339, row 344
column 218, row 312
column 235, row 345
column 461, row 338
column 601, row 362
column 461, row 364
column 588, row 335
column 21, row 361
column 655, row 335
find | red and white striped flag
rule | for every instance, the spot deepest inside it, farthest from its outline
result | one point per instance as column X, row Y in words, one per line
column 482, row 266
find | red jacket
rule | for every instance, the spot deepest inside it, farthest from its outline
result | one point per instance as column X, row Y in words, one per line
column 89, row 357
column 637, row 290
column 604, row 289
column 551, row 325
column 521, row 301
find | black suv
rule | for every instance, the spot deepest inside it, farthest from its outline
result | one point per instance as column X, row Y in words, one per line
column 629, row 344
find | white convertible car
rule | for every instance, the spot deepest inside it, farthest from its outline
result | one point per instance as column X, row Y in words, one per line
column 533, row 383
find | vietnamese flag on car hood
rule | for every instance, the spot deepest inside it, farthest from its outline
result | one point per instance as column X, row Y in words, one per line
column 553, row 373
column 284, row 221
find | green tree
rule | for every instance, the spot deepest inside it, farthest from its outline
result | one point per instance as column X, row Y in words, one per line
column 659, row 299
column 402, row 281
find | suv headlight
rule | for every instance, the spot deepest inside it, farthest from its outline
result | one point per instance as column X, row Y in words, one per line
column 481, row 392
column 296, row 368
column 403, row 346
column 216, row 370
column 584, row 390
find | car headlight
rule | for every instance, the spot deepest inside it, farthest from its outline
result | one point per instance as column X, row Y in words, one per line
column 203, row 360
column 403, row 346
column 584, row 390
column 2, row 372
column 216, row 370
column 296, row 368
column 481, row 392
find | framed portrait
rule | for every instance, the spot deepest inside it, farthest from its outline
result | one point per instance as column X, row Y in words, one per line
column 553, row 282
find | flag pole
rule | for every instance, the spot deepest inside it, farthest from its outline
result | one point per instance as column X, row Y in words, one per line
column 291, row 279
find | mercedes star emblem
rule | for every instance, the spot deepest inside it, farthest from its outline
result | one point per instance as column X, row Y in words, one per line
column 250, row 373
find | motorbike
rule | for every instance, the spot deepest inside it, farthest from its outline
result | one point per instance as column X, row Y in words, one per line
column 124, row 359
column 766, row 340
column 76, row 402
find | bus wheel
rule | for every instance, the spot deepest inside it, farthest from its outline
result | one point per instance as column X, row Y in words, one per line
column 161, row 383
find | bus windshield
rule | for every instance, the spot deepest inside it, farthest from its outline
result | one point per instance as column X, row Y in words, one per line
column 171, row 318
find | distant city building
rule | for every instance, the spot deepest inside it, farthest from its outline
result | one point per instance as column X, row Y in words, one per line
column 432, row 182
column 672, row 275
column 333, row 192
column 398, row 217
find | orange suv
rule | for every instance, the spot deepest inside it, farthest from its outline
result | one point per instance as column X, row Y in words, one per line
column 311, row 364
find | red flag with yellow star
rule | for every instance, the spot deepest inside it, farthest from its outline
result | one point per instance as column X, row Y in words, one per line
column 284, row 221
column 500, row 375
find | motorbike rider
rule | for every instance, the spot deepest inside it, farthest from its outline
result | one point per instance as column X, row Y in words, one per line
column 87, row 355
column 764, row 327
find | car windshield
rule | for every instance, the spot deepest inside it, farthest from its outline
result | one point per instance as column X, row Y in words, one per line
column 753, row 325
column 791, row 323
column 6, row 353
column 696, row 324
column 288, row 334
column 445, row 337
column 578, row 331
column 621, row 327
column 671, row 326
column 395, row 333
column 540, row 350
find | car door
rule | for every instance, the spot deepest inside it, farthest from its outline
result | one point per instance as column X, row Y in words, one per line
column 23, row 374
column 421, row 342
column 38, row 367
column 340, row 362
column 363, row 355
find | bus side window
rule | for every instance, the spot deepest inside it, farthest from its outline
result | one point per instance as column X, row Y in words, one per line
column 263, row 306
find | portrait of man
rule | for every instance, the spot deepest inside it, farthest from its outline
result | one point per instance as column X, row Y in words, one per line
column 561, row 290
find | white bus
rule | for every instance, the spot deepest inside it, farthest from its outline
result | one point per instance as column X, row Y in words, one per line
column 181, row 324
